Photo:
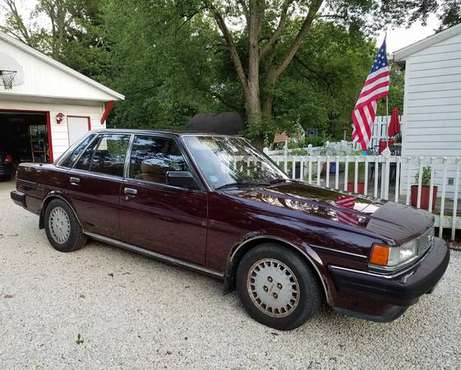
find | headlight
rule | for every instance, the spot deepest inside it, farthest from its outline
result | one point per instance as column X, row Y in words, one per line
column 388, row 258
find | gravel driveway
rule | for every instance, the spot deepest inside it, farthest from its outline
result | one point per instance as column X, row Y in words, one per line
column 104, row 308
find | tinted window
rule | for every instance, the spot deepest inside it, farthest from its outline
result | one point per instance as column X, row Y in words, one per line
column 85, row 159
column 106, row 155
column 109, row 155
column 73, row 155
column 152, row 157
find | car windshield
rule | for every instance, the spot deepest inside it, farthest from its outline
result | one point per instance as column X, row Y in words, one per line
column 231, row 161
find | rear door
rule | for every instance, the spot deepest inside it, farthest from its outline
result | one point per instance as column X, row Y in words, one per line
column 95, row 181
column 156, row 216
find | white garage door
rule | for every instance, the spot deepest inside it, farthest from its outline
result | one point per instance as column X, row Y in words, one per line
column 77, row 127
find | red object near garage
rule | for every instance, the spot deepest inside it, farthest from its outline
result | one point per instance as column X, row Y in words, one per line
column 383, row 144
column 425, row 194
column 394, row 125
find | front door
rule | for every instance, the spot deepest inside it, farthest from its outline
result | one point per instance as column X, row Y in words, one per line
column 95, row 181
column 154, row 215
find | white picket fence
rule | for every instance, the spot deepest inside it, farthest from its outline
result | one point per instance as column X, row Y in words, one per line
column 384, row 177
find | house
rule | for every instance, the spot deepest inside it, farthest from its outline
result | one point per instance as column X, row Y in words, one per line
column 45, row 106
column 432, row 102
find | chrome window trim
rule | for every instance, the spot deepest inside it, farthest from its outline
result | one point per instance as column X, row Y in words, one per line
column 194, row 162
column 158, row 184
column 126, row 168
column 97, row 174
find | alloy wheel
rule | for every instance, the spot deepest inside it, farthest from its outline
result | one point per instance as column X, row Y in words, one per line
column 59, row 225
column 273, row 287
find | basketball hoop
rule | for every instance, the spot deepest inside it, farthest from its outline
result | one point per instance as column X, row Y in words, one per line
column 8, row 78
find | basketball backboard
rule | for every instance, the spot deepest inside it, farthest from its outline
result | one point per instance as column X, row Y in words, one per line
column 11, row 71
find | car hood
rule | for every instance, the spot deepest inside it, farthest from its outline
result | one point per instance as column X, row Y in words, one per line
column 389, row 220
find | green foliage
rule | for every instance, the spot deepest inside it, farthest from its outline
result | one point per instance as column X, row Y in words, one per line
column 426, row 177
column 163, row 63
column 171, row 61
column 314, row 141
column 396, row 91
column 321, row 86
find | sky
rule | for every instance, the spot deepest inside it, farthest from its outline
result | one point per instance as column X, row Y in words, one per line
column 400, row 37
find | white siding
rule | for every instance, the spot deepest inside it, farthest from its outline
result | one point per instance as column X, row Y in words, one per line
column 432, row 106
column 43, row 78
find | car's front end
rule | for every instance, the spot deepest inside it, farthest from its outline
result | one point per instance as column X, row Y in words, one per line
column 396, row 278
column 373, row 258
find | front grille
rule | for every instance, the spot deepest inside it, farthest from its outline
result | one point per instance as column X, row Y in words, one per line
column 425, row 241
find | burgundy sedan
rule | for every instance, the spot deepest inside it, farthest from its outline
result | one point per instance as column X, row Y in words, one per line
column 217, row 205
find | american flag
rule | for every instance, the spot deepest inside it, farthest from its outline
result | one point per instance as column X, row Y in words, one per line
column 376, row 86
column 346, row 217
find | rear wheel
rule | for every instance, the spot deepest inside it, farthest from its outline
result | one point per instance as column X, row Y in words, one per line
column 62, row 228
column 277, row 287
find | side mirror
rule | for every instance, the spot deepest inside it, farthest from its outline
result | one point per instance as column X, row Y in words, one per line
column 181, row 179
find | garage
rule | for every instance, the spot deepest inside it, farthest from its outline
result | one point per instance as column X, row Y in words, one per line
column 25, row 136
column 45, row 106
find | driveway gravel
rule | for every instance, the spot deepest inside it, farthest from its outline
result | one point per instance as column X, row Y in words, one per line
column 104, row 308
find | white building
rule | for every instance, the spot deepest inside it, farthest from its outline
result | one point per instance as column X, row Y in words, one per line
column 432, row 103
column 48, row 106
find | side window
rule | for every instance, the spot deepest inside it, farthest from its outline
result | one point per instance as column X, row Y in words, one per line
column 152, row 157
column 70, row 158
column 85, row 159
column 109, row 155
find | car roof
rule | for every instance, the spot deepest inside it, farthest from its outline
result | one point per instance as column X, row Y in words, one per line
column 162, row 132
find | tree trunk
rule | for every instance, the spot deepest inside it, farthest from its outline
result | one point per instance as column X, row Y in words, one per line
column 253, row 95
column 253, row 106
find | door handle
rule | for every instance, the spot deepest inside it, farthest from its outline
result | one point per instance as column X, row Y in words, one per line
column 130, row 192
column 74, row 181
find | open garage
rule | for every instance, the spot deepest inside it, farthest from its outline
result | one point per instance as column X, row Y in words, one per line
column 45, row 106
column 25, row 135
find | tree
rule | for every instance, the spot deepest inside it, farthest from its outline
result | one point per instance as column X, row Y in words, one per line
column 166, row 64
column 276, row 30
column 70, row 31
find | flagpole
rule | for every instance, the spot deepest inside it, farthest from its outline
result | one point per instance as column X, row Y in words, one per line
column 387, row 118
column 387, row 102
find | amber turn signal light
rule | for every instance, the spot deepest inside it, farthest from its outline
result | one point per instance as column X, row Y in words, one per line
column 380, row 254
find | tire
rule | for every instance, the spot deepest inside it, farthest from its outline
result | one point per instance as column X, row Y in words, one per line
column 270, row 269
column 62, row 227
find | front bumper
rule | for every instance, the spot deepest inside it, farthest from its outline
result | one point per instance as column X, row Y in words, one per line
column 19, row 198
column 384, row 297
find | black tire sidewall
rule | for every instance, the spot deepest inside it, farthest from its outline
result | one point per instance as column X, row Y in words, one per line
column 310, row 298
column 76, row 238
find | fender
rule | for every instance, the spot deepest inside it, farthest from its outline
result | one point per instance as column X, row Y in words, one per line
column 308, row 253
column 55, row 195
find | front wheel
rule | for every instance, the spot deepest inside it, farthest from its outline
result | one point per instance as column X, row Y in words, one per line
column 277, row 287
column 62, row 227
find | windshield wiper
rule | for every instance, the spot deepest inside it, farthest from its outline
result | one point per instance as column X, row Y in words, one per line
column 277, row 181
column 239, row 184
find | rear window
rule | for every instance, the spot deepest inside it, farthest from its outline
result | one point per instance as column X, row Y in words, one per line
column 70, row 158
